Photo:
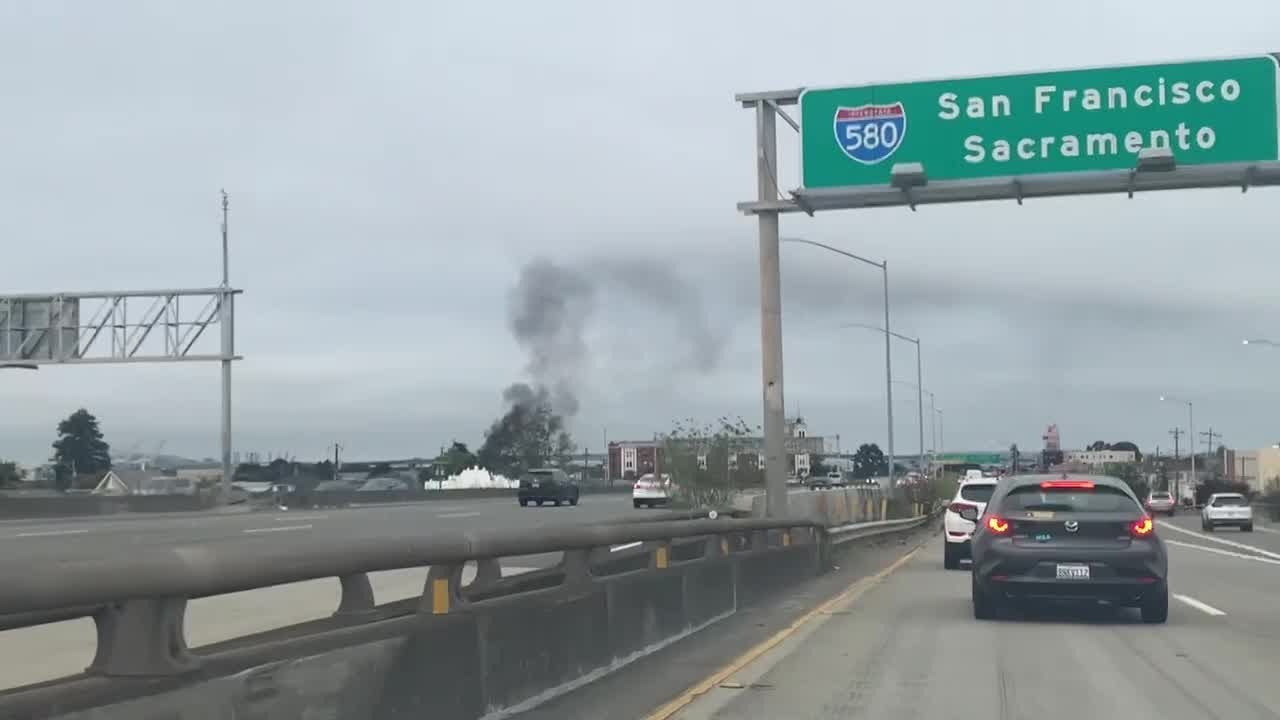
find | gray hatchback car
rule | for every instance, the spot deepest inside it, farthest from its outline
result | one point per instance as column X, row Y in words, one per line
column 1068, row 538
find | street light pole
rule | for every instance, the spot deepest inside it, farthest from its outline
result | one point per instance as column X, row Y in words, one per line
column 888, row 365
column 888, row 370
column 919, row 384
column 920, row 403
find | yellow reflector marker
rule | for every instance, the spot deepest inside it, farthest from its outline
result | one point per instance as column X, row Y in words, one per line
column 440, row 596
column 660, row 556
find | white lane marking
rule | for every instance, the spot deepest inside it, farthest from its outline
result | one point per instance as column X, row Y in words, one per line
column 282, row 528
column 295, row 518
column 628, row 546
column 1205, row 608
column 51, row 533
column 458, row 515
column 1266, row 529
column 1224, row 541
column 1218, row 551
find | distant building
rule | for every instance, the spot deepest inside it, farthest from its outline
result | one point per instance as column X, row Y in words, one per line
column 1259, row 469
column 629, row 459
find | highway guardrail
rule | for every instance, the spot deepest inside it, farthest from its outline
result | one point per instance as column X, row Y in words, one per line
column 495, row 645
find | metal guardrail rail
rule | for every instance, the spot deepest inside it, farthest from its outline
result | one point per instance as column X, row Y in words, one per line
column 138, row 603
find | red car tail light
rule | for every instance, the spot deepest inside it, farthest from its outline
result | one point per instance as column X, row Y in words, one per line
column 997, row 525
column 1142, row 528
column 956, row 507
column 1067, row 485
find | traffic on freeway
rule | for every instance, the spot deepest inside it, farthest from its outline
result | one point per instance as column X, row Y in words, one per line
column 902, row 641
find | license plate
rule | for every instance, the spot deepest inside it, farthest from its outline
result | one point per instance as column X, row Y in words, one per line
column 537, row 484
column 1073, row 572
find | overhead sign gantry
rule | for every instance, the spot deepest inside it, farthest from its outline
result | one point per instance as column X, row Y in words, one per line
column 1120, row 129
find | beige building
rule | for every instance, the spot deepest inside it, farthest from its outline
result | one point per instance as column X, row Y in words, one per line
column 1260, row 468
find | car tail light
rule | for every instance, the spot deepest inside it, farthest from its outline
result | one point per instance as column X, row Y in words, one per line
column 1142, row 528
column 956, row 507
column 997, row 525
column 1067, row 485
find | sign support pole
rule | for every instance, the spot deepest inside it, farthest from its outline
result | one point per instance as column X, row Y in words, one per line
column 771, row 313
column 225, row 315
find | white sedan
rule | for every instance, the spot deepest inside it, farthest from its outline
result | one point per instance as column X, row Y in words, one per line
column 1227, row 509
column 649, row 491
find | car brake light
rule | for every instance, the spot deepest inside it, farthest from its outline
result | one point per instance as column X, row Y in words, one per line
column 1067, row 485
column 997, row 525
column 1142, row 528
column 956, row 507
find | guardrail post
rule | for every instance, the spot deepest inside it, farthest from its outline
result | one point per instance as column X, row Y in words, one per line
column 884, row 508
column 660, row 559
column 357, row 595
column 488, row 573
column 440, row 596
column 576, row 565
column 142, row 637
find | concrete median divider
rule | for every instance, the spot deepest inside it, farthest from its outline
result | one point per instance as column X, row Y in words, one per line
column 56, row 506
column 485, row 649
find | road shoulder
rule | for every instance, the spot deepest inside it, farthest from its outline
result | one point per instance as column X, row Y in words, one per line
column 652, row 682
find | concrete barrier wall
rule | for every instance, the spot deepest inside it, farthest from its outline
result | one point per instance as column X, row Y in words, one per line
column 485, row 658
column 54, row 506
column 12, row 507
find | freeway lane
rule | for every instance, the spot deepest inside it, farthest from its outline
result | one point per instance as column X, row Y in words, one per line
column 61, row 539
column 906, row 645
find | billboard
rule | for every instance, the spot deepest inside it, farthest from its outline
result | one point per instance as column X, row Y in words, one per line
column 39, row 329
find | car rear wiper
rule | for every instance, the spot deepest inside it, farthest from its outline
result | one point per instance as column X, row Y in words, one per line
column 1048, row 506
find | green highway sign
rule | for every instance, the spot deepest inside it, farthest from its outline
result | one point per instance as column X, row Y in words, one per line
column 1213, row 111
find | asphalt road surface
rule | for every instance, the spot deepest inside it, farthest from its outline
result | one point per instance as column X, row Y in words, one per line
column 904, row 644
column 30, row 655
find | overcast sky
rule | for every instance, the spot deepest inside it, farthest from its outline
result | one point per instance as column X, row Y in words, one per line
column 393, row 166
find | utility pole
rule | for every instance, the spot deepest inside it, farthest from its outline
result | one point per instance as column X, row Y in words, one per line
column 1208, row 439
column 1209, row 444
column 228, row 351
column 1177, row 434
column 336, row 462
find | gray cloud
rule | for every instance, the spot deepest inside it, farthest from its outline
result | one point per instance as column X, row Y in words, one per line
column 384, row 164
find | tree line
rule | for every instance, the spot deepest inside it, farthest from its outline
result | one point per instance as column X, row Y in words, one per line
column 80, row 454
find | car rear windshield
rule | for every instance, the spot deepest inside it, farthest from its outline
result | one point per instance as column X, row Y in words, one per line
column 977, row 492
column 1102, row 498
column 1160, row 496
column 1229, row 501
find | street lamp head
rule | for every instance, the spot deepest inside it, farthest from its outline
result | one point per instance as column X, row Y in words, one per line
column 1156, row 159
column 908, row 175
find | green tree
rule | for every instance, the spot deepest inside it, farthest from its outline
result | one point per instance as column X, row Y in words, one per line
column 1124, row 445
column 10, row 474
column 457, row 457
column 80, row 448
column 1128, row 472
column 529, row 435
column 696, row 456
column 869, row 461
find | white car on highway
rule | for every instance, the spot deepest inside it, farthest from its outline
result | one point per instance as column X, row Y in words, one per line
column 649, row 491
column 1227, row 509
column 974, row 492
